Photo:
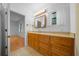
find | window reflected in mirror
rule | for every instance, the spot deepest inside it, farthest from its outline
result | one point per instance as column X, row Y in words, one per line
column 20, row 27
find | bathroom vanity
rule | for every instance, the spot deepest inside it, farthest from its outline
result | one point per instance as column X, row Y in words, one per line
column 52, row 44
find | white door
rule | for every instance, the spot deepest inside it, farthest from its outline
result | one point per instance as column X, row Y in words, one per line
column 2, row 32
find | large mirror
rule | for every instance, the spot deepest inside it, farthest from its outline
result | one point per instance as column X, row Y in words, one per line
column 40, row 21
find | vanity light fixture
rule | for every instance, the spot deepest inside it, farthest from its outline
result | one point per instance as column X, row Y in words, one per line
column 40, row 12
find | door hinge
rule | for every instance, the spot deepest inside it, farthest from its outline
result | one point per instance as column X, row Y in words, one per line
column 5, row 12
column 6, row 30
column 8, row 36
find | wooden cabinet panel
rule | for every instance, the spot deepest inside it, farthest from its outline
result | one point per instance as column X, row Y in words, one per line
column 33, row 40
column 16, row 42
column 30, row 40
column 32, row 35
column 21, row 42
column 36, row 46
column 62, row 46
column 44, row 38
column 44, row 51
column 44, row 48
column 44, row 44
column 63, row 40
column 61, row 51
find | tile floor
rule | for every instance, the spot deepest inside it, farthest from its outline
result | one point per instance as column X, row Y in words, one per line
column 25, row 52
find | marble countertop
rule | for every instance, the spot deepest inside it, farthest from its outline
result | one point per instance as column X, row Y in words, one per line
column 62, row 34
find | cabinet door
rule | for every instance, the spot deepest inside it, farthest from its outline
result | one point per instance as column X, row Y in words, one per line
column 21, row 42
column 33, row 40
column 30, row 39
column 44, row 49
column 44, row 44
column 14, row 43
column 62, row 46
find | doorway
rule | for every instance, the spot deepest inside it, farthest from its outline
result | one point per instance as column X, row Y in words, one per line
column 17, row 31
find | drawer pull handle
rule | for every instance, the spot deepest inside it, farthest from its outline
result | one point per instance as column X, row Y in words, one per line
column 64, row 45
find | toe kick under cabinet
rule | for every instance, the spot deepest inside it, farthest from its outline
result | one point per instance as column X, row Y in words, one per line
column 51, row 45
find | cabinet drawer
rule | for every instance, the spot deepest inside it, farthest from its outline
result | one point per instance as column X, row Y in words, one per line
column 60, row 52
column 54, row 54
column 43, row 45
column 44, row 48
column 63, row 50
column 62, row 47
column 30, row 41
column 36, row 46
column 63, row 41
column 44, row 38
column 32, row 35
column 44, row 51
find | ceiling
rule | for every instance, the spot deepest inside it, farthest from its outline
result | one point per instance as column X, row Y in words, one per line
column 14, row 16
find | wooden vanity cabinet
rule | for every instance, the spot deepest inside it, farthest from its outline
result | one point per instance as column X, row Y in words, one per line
column 62, row 46
column 51, row 45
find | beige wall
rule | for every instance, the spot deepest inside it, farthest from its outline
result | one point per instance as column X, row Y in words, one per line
column 77, row 30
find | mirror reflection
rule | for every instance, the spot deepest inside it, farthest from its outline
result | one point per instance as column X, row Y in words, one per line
column 40, row 21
